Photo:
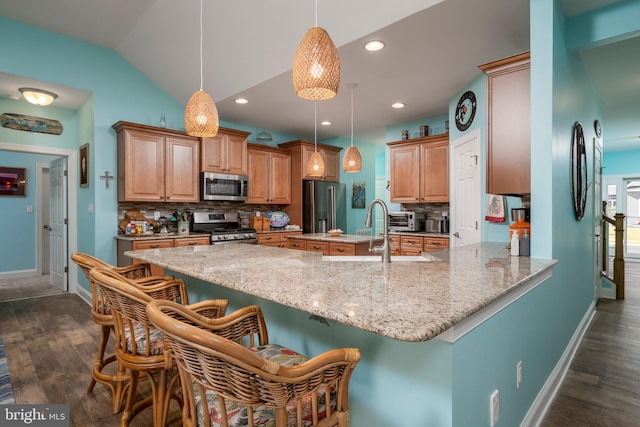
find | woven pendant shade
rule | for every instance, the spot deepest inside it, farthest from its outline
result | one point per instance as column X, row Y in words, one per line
column 352, row 161
column 315, row 165
column 316, row 66
column 201, row 115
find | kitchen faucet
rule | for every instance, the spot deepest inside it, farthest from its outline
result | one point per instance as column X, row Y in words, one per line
column 385, row 249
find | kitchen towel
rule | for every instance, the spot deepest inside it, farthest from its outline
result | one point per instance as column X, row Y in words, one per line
column 495, row 208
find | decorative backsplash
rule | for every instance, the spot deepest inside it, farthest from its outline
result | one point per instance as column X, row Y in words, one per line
column 167, row 209
column 433, row 210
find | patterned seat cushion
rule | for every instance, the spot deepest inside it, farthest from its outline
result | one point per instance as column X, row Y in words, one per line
column 155, row 338
column 263, row 416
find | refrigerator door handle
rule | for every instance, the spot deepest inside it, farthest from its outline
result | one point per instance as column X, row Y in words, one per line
column 331, row 194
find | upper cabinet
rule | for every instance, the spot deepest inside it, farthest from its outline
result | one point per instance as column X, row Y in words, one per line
column 509, row 125
column 156, row 164
column 420, row 170
column 302, row 150
column 269, row 175
column 225, row 153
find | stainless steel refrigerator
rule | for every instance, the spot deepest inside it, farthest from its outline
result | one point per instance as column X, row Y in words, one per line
column 324, row 206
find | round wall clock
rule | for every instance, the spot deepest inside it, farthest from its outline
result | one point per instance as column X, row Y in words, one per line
column 597, row 128
column 466, row 110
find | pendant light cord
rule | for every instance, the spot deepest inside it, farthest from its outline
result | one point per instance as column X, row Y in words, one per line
column 316, row 13
column 315, row 126
column 351, row 87
column 201, row 61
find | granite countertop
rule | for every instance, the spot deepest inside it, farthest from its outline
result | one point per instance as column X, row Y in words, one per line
column 156, row 236
column 343, row 238
column 407, row 301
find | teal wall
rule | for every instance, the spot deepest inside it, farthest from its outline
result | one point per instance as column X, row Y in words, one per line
column 621, row 163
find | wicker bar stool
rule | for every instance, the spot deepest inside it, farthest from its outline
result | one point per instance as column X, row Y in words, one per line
column 230, row 378
column 139, row 346
column 101, row 315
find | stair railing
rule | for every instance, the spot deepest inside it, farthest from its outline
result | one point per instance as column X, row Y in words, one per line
column 618, row 259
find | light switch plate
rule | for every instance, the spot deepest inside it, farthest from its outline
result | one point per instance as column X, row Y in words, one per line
column 29, row 208
column 90, row 208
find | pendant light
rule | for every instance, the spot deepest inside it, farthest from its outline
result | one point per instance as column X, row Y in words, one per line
column 315, row 164
column 352, row 161
column 316, row 65
column 201, row 114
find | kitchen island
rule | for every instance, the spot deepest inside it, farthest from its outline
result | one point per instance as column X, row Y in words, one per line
column 391, row 312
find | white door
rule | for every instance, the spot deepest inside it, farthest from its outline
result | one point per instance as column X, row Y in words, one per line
column 43, row 212
column 466, row 194
column 597, row 215
column 58, row 223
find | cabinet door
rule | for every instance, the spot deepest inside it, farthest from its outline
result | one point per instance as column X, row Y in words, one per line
column 509, row 128
column 342, row 249
column 315, row 246
column 259, row 178
column 237, row 155
column 280, row 182
column 331, row 165
column 144, row 170
column 434, row 179
column 269, row 239
column 300, row 245
column 224, row 153
column 181, row 173
column 435, row 244
column 405, row 169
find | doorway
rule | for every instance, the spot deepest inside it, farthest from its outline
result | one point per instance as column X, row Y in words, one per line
column 623, row 195
column 70, row 200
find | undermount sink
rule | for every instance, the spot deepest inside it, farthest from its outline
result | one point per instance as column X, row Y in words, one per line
column 375, row 258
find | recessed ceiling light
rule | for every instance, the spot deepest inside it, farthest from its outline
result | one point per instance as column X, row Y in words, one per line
column 374, row 45
column 325, row 123
column 397, row 105
column 241, row 101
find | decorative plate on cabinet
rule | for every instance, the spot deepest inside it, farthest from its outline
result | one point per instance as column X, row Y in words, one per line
column 278, row 218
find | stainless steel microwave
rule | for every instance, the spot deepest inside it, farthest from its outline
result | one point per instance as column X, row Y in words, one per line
column 221, row 186
column 406, row 221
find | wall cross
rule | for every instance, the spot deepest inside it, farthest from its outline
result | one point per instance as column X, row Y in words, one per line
column 106, row 177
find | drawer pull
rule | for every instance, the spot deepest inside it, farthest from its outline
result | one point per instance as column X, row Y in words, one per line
column 315, row 247
column 339, row 249
column 192, row 243
column 154, row 246
column 436, row 243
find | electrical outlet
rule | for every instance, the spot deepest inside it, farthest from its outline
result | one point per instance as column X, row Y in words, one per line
column 156, row 215
column 519, row 374
column 494, row 407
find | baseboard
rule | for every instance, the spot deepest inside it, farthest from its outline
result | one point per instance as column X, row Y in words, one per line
column 18, row 274
column 84, row 294
column 540, row 405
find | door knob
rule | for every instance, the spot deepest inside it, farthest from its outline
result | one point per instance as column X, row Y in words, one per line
column 47, row 227
column 456, row 234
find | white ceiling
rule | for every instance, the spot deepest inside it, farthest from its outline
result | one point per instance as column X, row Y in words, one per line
column 433, row 48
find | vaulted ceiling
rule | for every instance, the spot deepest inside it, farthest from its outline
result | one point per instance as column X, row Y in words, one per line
column 433, row 48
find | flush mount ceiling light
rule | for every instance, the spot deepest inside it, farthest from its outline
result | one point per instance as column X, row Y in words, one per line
column 397, row 105
column 201, row 114
column 316, row 65
column 325, row 123
column 241, row 101
column 38, row 96
column 352, row 161
column 315, row 164
column 374, row 45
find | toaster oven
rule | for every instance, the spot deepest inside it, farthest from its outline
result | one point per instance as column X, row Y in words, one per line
column 406, row 221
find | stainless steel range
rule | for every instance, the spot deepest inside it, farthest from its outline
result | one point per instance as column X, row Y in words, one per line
column 223, row 227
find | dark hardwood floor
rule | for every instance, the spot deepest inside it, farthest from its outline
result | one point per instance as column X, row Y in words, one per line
column 51, row 343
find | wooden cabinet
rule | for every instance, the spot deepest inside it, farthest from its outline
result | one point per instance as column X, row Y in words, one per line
column 394, row 245
column 225, row 153
column 269, row 175
column 134, row 245
column 314, row 246
column 411, row 245
column 435, row 243
column 276, row 239
column 156, row 164
column 300, row 151
column 420, row 170
column 509, row 125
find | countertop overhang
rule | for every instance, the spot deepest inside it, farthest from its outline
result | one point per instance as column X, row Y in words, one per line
column 405, row 301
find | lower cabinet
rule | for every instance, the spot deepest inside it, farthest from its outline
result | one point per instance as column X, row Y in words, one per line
column 276, row 239
column 435, row 243
column 128, row 245
column 329, row 248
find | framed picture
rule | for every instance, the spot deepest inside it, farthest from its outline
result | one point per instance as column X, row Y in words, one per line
column 359, row 195
column 13, row 181
column 84, row 166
